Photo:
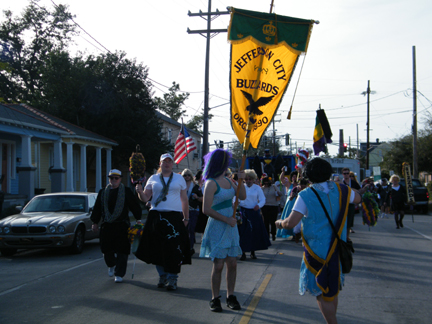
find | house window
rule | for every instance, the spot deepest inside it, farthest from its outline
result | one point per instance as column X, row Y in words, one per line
column 169, row 134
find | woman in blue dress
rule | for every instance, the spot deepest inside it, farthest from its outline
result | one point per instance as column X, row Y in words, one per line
column 290, row 183
column 320, row 271
column 220, row 241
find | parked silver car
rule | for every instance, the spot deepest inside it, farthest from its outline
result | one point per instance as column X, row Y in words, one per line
column 56, row 220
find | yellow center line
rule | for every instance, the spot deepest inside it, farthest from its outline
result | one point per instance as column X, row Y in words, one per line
column 255, row 300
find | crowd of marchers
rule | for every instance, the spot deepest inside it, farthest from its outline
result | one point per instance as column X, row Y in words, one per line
column 238, row 214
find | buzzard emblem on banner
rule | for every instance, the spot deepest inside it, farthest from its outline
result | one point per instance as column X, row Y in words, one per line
column 264, row 52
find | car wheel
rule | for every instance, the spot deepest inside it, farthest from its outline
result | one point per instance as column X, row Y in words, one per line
column 78, row 242
column 8, row 252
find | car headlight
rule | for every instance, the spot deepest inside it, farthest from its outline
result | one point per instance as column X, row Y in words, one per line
column 52, row 229
column 61, row 229
column 6, row 229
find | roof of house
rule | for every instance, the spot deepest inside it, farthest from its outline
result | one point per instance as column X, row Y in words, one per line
column 176, row 123
column 23, row 115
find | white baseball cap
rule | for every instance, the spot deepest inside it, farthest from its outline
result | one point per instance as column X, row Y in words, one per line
column 114, row 172
column 166, row 156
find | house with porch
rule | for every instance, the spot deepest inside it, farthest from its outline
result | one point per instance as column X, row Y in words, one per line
column 42, row 153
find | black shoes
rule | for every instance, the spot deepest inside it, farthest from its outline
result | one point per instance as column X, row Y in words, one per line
column 162, row 281
column 232, row 302
column 215, row 305
column 243, row 257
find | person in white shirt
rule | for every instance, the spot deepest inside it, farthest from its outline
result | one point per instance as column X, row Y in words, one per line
column 320, row 271
column 165, row 240
column 253, row 235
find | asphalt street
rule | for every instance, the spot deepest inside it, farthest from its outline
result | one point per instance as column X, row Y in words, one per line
column 390, row 283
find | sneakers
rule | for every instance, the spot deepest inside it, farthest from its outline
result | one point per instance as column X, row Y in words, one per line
column 172, row 284
column 118, row 279
column 215, row 305
column 253, row 256
column 111, row 271
column 232, row 302
column 162, row 281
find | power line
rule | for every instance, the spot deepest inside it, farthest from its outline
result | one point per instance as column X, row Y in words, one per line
column 83, row 30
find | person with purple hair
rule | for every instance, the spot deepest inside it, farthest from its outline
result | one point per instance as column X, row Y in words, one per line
column 220, row 241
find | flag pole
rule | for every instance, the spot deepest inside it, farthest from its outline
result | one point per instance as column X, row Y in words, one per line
column 184, row 140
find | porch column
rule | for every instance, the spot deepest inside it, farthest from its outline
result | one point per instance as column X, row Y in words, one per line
column 69, row 167
column 83, row 168
column 58, row 155
column 26, row 150
column 108, row 160
column 57, row 171
column 26, row 170
column 98, row 169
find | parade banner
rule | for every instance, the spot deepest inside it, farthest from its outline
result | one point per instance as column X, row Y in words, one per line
column 408, row 183
column 264, row 52
column 322, row 132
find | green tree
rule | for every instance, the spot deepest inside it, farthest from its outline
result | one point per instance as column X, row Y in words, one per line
column 197, row 121
column 424, row 144
column 108, row 94
column 400, row 152
column 29, row 40
column 172, row 102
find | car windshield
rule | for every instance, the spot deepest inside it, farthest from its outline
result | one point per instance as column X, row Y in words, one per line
column 416, row 183
column 56, row 204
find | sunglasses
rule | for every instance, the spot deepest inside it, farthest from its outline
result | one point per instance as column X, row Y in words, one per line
column 187, row 175
column 114, row 178
column 345, row 173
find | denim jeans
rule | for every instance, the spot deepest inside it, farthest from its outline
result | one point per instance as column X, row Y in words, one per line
column 161, row 272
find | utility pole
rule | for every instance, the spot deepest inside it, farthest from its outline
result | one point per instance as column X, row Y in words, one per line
column 367, row 92
column 367, row 123
column 274, row 134
column 341, row 143
column 357, row 143
column 207, row 33
column 414, row 127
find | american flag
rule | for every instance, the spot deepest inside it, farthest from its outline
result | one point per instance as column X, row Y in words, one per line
column 184, row 144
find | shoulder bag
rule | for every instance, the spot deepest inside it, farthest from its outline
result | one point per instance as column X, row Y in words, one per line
column 345, row 248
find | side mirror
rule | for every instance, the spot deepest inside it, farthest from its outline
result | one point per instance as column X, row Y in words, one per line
column 19, row 208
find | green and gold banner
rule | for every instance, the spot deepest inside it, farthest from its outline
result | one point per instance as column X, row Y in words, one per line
column 264, row 51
